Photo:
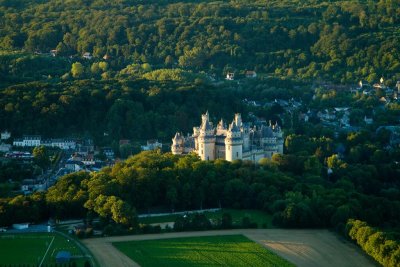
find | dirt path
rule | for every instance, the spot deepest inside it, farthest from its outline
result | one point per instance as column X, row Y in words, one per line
column 306, row 248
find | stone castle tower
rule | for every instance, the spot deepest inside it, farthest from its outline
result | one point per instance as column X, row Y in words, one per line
column 239, row 141
column 205, row 138
column 234, row 140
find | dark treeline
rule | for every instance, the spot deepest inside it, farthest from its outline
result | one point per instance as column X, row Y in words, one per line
column 132, row 110
column 337, row 40
column 137, row 109
column 302, row 197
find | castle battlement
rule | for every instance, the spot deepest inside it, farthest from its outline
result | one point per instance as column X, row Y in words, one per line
column 238, row 141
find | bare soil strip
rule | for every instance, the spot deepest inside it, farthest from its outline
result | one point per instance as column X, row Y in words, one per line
column 306, row 248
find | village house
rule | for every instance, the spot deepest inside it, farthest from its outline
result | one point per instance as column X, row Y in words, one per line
column 251, row 74
column 28, row 141
column 64, row 144
column 109, row 153
column 368, row 120
column 19, row 155
column 151, row 145
column 36, row 140
column 5, row 135
column 32, row 185
column 326, row 115
column 74, row 165
column 5, row 147
column 230, row 76
column 87, row 55
column 252, row 103
column 380, row 85
column 84, row 146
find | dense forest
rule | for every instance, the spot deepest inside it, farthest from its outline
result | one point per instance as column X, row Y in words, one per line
column 335, row 40
column 131, row 109
column 294, row 188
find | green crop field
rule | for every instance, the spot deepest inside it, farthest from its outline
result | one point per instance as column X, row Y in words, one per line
column 230, row 250
column 261, row 218
column 35, row 248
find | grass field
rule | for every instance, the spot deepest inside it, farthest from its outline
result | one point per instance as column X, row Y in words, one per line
column 36, row 248
column 259, row 217
column 231, row 250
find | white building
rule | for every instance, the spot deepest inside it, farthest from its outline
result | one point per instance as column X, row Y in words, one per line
column 28, row 141
column 74, row 165
column 61, row 143
column 20, row 226
column 109, row 152
column 368, row 120
column 230, row 76
column 5, row 147
column 31, row 185
column 87, row 55
column 36, row 140
column 151, row 145
column 5, row 135
column 238, row 141
column 251, row 74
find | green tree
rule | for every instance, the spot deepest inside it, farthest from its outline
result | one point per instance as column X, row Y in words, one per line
column 41, row 157
column 77, row 70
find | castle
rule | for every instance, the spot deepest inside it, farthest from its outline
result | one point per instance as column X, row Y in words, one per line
column 238, row 141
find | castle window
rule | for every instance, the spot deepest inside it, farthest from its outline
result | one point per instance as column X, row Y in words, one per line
column 237, row 154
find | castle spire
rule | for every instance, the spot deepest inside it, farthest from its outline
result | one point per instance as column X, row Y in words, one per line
column 238, row 120
column 221, row 125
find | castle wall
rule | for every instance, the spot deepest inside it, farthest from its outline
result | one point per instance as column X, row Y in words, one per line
column 239, row 142
column 233, row 152
column 206, row 150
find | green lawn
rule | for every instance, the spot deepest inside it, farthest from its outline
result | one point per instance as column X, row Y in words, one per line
column 231, row 250
column 31, row 248
column 256, row 216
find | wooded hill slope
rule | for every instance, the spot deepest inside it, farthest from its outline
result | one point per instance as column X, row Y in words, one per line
column 337, row 40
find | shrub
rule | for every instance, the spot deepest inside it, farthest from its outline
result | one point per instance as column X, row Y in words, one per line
column 375, row 243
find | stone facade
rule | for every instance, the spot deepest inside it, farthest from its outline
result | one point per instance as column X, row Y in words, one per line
column 237, row 141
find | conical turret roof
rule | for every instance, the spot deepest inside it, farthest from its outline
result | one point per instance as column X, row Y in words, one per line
column 233, row 127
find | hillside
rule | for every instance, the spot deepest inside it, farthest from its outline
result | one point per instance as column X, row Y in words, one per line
column 336, row 40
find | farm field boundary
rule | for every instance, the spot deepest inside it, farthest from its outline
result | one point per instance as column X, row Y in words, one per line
column 224, row 250
column 301, row 247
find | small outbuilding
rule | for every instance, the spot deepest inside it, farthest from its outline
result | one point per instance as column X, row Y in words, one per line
column 63, row 256
column 251, row 74
column 20, row 226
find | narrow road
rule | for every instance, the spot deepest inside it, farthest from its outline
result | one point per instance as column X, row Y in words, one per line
column 308, row 248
